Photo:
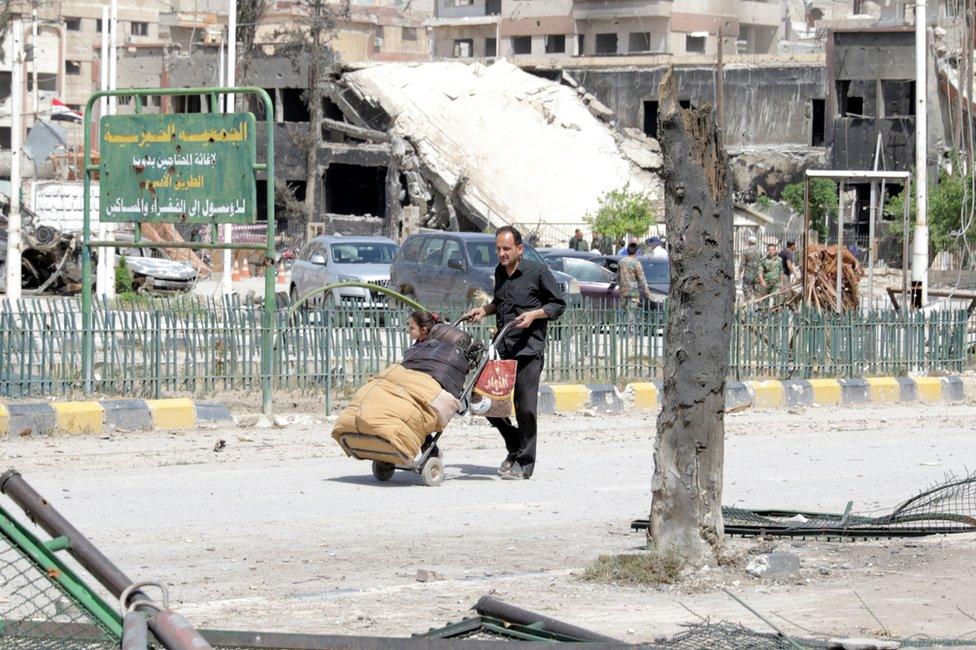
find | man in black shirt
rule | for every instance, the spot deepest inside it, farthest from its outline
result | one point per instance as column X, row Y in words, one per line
column 527, row 295
column 788, row 255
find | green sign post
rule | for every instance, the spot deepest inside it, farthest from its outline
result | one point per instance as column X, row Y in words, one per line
column 197, row 168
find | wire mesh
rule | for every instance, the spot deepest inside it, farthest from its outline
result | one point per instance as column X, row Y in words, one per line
column 947, row 507
column 35, row 612
column 723, row 635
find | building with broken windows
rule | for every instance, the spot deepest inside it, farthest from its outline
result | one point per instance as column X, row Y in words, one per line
column 543, row 29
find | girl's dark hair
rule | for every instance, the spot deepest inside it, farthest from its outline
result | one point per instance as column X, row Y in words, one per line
column 424, row 319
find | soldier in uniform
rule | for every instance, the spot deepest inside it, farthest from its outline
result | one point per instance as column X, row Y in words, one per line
column 772, row 270
column 750, row 268
column 632, row 281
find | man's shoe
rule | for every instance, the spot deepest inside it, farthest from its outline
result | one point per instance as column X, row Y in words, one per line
column 513, row 473
column 506, row 465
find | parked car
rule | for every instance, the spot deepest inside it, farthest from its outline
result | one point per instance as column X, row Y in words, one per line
column 656, row 270
column 327, row 260
column 595, row 282
column 456, row 266
column 552, row 253
column 151, row 271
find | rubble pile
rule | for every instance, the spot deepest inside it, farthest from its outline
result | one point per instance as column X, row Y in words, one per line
column 484, row 146
column 822, row 273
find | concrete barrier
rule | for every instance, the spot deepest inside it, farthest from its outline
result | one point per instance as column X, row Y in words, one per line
column 91, row 417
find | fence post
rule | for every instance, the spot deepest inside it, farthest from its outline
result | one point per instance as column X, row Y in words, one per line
column 157, row 354
column 327, row 314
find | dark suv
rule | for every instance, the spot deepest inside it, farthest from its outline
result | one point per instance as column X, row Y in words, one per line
column 455, row 267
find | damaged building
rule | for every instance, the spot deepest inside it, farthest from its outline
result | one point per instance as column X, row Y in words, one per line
column 440, row 145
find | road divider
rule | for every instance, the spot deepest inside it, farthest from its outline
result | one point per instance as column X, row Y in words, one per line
column 764, row 394
column 107, row 416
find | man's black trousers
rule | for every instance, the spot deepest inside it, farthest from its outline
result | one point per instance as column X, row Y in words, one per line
column 520, row 440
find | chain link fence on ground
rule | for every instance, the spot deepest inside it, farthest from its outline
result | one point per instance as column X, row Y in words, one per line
column 199, row 347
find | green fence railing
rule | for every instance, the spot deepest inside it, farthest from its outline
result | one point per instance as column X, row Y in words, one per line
column 186, row 346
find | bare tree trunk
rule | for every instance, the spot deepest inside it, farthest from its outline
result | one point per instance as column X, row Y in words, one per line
column 314, row 115
column 686, row 508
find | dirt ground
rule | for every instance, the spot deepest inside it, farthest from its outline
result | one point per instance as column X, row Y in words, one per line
column 279, row 531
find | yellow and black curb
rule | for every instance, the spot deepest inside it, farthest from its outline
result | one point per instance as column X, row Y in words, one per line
column 571, row 398
column 106, row 416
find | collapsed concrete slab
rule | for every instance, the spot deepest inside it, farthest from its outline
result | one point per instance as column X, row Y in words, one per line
column 502, row 146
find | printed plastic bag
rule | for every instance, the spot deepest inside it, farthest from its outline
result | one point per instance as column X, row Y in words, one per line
column 496, row 383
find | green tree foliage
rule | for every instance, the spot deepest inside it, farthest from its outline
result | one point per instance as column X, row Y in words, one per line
column 622, row 212
column 950, row 204
column 823, row 202
column 123, row 276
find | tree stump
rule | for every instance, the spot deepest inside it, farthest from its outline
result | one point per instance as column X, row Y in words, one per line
column 686, row 507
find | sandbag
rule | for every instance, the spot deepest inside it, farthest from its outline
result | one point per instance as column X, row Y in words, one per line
column 396, row 405
column 441, row 360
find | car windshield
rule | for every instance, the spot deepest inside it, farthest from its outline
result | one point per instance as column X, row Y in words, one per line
column 482, row 253
column 586, row 271
column 362, row 253
column 657, row 272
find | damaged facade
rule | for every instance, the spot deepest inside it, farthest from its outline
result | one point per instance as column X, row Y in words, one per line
column 441, row 145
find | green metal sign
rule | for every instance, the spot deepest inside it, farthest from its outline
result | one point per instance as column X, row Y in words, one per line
column 178, row 168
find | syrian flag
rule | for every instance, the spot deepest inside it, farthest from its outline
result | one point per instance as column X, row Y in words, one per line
column 59, row 111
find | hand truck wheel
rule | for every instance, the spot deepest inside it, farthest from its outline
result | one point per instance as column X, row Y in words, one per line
column 433, row 472
column 383, row 471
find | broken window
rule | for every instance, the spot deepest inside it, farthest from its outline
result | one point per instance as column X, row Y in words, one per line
column 355, row 190
column 491, row 47
column 187, row 104
column 5, row 137
column 293, row 106
column 695, row 44
column 139, row 28
column 580, row 44
column 98, row 25
column 463, row 48
column 685, row 103
column 898, row 98
column 606, row 43
column 555, row 44
column 493, row 7
column 72, row 67
column 409, row 33
column 650, row 118
column 521, row 45
column 818, row 126
column 639, row 42
column 72, row 24
column 854, row 106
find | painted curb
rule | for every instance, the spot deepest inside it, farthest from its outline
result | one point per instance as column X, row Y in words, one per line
column 107, row 416
column 646, row 396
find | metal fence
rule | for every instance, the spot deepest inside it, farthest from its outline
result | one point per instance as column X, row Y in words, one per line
column 159, row 348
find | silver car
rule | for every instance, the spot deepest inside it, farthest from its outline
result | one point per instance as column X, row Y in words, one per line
column 327, row 260
column 151, row 271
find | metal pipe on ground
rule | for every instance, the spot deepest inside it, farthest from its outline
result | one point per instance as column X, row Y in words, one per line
column 135, row 632
column 489, row 606
column 171, row 629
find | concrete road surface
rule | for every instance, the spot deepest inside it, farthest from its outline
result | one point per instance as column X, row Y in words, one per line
column 279, row 531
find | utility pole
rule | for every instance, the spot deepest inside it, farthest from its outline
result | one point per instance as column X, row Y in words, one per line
column 221, row 76
column 113, row 57
column 920, row 243
column 226, row 278
column 34, row 50
column 103, row 277
column 16, row 135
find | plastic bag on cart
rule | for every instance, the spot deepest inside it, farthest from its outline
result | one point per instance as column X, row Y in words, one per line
column 496, row 383
column 399, row 405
